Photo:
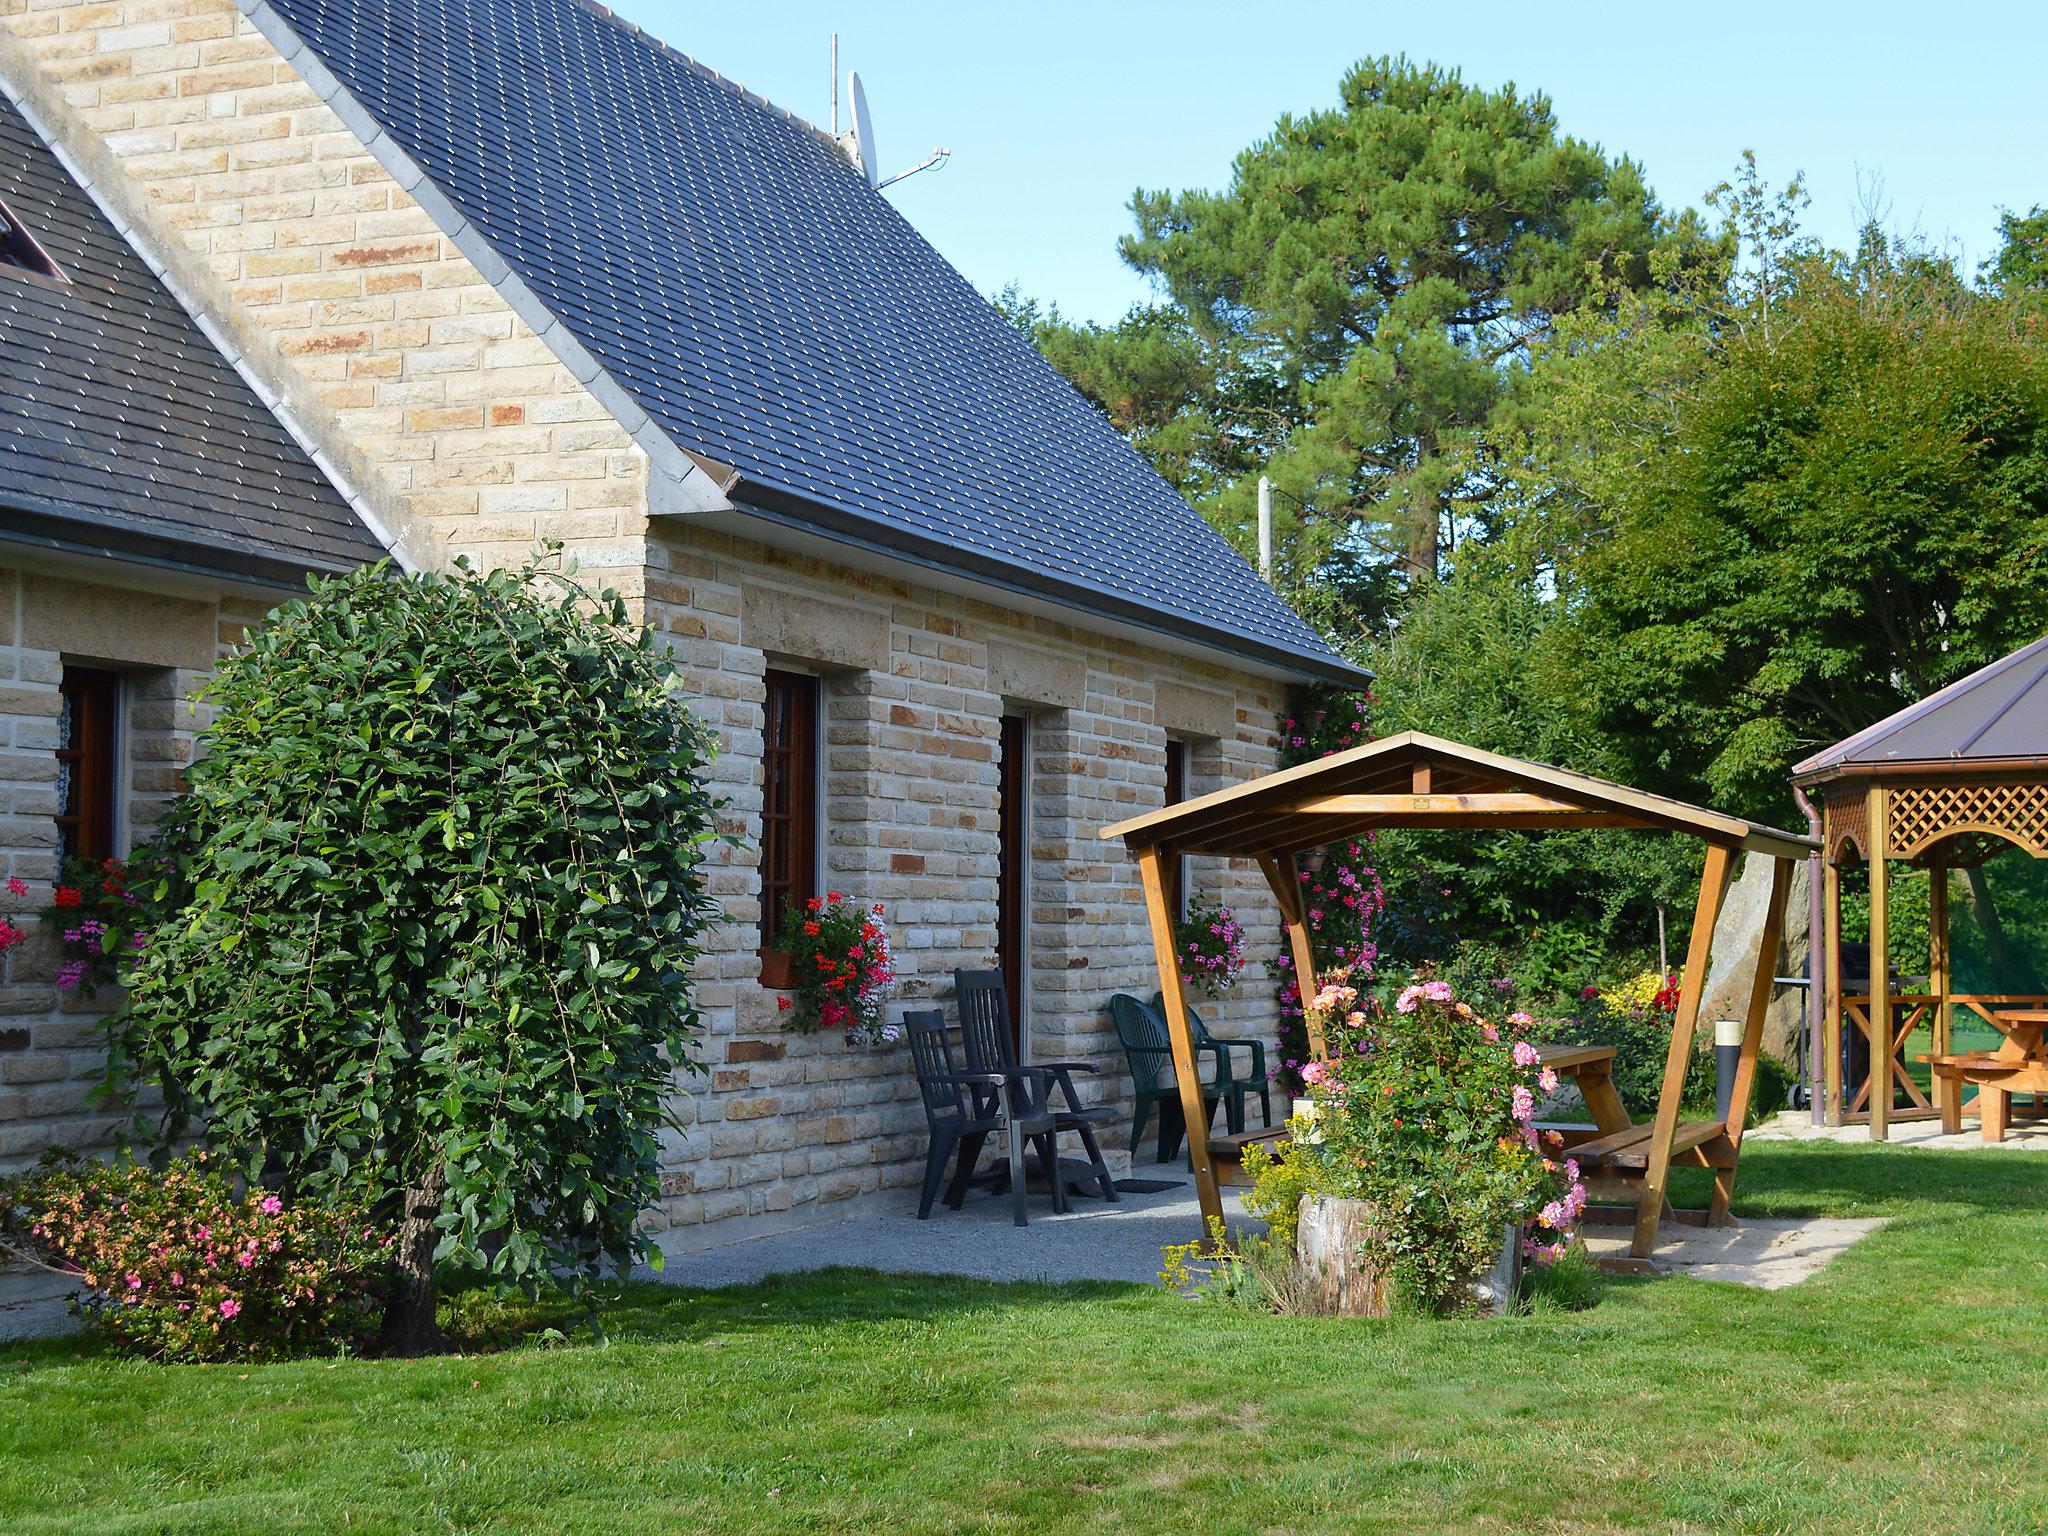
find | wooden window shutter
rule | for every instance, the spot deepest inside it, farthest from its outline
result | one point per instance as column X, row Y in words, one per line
column 88, row 769
column 789, row 809
column 1176, row 791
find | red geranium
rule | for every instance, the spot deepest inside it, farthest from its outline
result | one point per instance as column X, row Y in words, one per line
column 842, row 969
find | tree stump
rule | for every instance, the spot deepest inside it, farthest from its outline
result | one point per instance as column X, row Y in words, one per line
column 1329, row 1243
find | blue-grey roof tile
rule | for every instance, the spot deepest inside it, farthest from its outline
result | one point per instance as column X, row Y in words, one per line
column 771, row 311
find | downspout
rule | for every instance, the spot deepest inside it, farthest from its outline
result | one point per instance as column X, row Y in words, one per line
column 1816, row 969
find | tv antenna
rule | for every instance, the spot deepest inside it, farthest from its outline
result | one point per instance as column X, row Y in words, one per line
column 859, row 140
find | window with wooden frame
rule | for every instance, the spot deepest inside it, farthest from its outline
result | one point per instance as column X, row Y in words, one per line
column 790, row 811
column 88, row 761
column 1176, row 791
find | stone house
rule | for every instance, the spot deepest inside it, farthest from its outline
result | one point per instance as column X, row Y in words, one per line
column 296, row 285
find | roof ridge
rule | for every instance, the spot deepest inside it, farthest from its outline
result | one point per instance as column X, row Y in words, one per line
column 605, row 13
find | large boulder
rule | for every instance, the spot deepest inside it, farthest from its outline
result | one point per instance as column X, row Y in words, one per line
column 1736, row 937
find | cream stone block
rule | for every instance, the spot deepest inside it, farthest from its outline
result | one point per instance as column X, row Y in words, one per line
column 1191, row 711
column 105, row 624
column 803, row 627
column 1032, row 676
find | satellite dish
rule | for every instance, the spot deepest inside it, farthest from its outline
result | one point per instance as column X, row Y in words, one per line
column 863, row 131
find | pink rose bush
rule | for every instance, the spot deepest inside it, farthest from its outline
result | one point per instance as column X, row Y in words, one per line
column 179, row 1266
column 1425, row 1111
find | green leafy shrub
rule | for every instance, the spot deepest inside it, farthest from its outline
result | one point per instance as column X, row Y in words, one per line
column 1636, row 1019
column 1340, row 889
column 179, row 1266
column 430, row 911
column 1279, row 1179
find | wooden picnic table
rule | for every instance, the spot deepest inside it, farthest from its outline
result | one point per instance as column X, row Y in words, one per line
column 1591, row 1070
column 2019, row 1065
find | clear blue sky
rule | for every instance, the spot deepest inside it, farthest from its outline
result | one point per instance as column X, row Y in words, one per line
column 1055, row 112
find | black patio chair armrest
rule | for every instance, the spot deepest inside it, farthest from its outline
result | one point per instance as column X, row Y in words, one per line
column 1256, row 1047
column 1068, row 1066
column 971, row 1079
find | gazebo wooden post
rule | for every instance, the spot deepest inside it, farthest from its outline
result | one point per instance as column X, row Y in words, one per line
column 1880, row 968
column 1152, row 869
column 1938, row 967
column 1831, row 959
column 1714, row 878
column 1752, row 1034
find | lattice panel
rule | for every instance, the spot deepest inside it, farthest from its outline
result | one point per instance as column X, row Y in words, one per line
column 1848, row 821
column 1923, row 814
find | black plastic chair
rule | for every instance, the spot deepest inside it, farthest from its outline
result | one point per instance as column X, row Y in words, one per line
column 962, row 1110
column 1233, row 1086
column 988, row 1047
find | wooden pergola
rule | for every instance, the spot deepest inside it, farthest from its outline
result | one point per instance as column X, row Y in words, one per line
column 1415, row 780
column 1947, row 783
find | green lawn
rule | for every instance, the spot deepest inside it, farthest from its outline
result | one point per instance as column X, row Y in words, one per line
column 1900, row 1391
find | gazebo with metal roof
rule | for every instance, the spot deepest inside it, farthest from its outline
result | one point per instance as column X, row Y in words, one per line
column 1416, row 780
column 1947, row 783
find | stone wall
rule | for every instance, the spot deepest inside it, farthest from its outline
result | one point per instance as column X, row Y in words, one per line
column 163, row 641
column 783, row 1128
column 789, row 1128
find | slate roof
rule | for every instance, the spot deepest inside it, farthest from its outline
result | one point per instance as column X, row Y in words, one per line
column 122, row 428
column 732, row 270
column 1996, row 714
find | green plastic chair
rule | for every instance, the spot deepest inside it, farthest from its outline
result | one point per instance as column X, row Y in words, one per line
column 1142, row 1033
column 1232, row 1086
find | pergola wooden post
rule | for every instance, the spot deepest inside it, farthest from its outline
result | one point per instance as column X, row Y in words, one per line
column 1944, row 784
column 1714, row 879
column 1415, row 780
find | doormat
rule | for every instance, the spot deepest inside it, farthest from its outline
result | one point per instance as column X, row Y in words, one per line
column 1148, row 1186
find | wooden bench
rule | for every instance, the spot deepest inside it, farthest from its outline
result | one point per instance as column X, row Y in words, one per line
column 1629, row 1151
column 1226, row 1153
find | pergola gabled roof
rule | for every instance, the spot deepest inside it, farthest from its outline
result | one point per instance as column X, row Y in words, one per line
column 1996, row 716
column 1417, row 780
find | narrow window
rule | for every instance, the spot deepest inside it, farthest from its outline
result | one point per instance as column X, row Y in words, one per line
column 88, row 772
column 1176, row 791
column 789, row 809
column 1012, row 875
column 20, row 251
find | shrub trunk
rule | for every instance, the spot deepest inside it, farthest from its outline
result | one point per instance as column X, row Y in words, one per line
column 409, row 1326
